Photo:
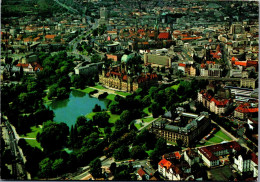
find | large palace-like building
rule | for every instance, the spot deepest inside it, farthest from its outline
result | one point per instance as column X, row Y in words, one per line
column 122, row 79
column 196, row 126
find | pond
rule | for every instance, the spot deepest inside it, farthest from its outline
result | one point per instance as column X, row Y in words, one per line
column 78, row 104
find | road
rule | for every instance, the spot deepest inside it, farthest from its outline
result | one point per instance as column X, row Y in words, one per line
column 109, row 91
column 67, row 7
column 18, row 169
column 239, row 140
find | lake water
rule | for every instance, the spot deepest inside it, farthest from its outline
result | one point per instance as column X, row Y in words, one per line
column 78, row 104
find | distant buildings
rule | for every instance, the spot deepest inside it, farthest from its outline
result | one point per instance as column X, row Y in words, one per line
column 87, row 68
column 246, row 110
column 216, row 105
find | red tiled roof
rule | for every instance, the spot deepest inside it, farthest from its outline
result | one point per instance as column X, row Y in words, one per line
column 125, row 77
column 181, row 64
column 252, row 63
column 37, row 38
column 111, row 32
column 141, row 172
column 221, row 103
column 210, row 62
column 23, row 65
column 165, row 163
column 140, row 30
column 115, row 73
column 209, row 151
column 177, row 155
column 164, row 35
column 27, row 39
column 191, row 38
column 254, row 158
column 202, row 65
column 246, row 108
column 208, row 154
column 50, row 36
column 241, row 63
column 151, row 34
column 233, row 59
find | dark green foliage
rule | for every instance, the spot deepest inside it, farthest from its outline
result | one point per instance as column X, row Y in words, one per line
column 137, row 152
column 156, row 110
column 121, row 153
column 95, row 58
column 101, row 119
column 102, row 96
column 53, row 135
column 97, row 108
column 95, row 168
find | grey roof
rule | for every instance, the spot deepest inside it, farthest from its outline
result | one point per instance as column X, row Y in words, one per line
column 172, row 128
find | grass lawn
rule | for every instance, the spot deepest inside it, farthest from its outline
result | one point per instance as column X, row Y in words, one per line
column 149, row 152
column 147, row 120
column 33, row 133
column 215, row 140
column 146, row 111
column 173, row 143
column 46, row 100
column 138, row 126
column 33, row 143
column 123, row 93
column 111, row 97
column 221, row 174
column 112, row 119
column 86, row 90
column 99, row 87
column 223, row 135
column 175, row 87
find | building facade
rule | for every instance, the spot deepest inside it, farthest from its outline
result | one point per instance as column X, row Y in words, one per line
column 191, row 132
column 248, row 83
column 117, row 78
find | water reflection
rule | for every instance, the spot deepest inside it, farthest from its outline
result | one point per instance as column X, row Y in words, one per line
column 78, row 104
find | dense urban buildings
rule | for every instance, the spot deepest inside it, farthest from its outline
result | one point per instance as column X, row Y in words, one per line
column 129, row 90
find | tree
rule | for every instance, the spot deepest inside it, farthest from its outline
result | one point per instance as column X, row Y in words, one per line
column 163, row 69
column 156, row 110
column 95, row 58
column 101, row 119
column 21, row 72
column 45, row 168
column 121, row 153
column 57, row 38
column 97, row 108
column 95, row 168
column 107, row 130
column 126, row 117
column 161, row 145
column 53, row 135
column 112, row 167
column 152, row 91
column 58, row 166
column 179, row 142
column 179, row 73
column 137, row 153
column 81, row 121
column 114, row 107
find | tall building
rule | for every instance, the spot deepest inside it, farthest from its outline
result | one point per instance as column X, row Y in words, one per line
column 103, row 13
column 103, row 16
